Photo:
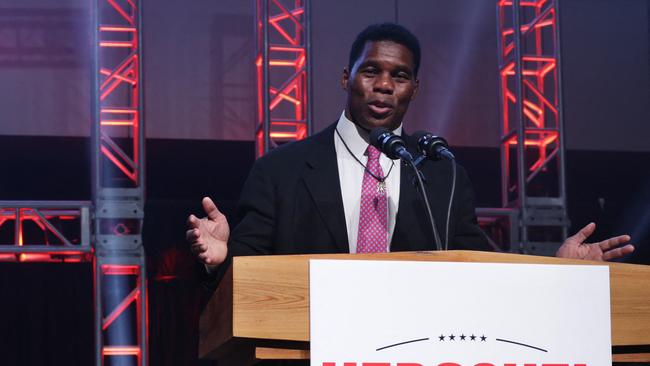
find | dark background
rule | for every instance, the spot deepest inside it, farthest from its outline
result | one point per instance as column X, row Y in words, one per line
column 199, row 103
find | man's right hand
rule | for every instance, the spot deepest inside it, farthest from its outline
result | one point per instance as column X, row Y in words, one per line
column 208, row 236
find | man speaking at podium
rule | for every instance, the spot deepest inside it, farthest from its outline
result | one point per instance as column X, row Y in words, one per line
column 335, row 193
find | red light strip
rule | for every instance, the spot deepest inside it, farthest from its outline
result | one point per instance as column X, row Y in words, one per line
column 534, row 118
column 284, row 34
column 524, row 28
column 118, row 44
column 19, row 223
column 284, row 95
column 287, row 14
column 286, row 49
column 119, row 122
column 119, row 110
column 122, row 12
column 539, row 95
column 285, row 135
column 132, row 296
column 116, row 123
column 294, row 13
column 108, row 28
column 131, row 174
column 117, row 269
column 123, row 69
column 47, row 257
column 537, row 143
column 282, row 63
column 114, row 83
column 129, row 80
column 534, row 107
column 40, row 257
column 531, row 3
column 538, row 59
column 121, row 351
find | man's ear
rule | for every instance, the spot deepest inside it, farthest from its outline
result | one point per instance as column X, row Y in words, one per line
column 415, row 90
column 345, row 78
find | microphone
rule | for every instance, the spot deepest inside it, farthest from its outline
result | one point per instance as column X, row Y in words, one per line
column 433, row 147
column 390, row 144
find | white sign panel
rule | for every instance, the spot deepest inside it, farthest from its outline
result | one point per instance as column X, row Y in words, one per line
column 392, row 313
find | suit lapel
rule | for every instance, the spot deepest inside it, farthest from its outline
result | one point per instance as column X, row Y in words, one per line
column 322, row 180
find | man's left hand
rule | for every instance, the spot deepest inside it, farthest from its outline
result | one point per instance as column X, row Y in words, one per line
column 576, row 248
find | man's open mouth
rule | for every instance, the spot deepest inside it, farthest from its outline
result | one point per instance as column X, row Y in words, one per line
column 379, row 108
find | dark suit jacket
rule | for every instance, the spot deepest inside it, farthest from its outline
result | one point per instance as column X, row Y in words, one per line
column 291, row 204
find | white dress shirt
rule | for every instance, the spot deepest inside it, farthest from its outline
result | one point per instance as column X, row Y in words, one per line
column 351, row 177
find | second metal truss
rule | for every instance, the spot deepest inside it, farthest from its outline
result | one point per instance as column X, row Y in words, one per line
column 532, row 141
column 121, row 321
column 45, row 231
column 73, row 231
column 283, row 72
column 118, row 184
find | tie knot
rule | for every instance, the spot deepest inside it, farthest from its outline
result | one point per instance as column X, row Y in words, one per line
column 373, row 153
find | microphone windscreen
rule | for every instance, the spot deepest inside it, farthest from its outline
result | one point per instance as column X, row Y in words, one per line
column 375, row 137
column 418, row 135
column 423, row 141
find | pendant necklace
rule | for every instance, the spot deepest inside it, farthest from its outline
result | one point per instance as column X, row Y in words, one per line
column 381, row 181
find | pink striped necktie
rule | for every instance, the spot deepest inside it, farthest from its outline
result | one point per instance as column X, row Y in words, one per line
column 373, row 215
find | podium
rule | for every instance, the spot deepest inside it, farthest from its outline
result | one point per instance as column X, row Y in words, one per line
column 260, row 311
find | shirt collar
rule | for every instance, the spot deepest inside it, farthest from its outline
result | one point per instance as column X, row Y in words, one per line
column 356, row 138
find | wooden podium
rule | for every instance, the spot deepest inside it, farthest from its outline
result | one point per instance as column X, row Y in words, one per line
column 260, row 310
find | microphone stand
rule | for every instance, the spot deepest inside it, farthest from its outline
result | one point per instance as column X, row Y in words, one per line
column 420, row 184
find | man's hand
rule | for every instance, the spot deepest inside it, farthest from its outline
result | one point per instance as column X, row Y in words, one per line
column 208, row 236
column 576, row 248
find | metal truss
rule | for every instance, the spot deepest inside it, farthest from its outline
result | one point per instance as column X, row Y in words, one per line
column 501, row 226
column 121, row 326
column 532, row 143
column 118, row 184
column 45, row 231
column 283, row 72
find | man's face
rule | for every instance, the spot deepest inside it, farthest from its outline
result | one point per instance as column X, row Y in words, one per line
column 380, row 85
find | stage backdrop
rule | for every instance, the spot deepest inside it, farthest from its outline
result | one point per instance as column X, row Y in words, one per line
column 199, row 76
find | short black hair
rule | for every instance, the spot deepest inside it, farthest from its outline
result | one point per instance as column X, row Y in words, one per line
column 386, row 32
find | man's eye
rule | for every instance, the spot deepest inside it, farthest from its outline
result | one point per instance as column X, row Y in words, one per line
column 370, row 71
column 403, row 76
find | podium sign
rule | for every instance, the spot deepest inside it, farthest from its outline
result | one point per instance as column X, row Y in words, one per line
column 395, row 313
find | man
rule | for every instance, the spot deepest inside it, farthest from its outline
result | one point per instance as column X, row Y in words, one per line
column 332, row 193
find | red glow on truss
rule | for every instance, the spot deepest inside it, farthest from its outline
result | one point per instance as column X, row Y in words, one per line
column 286, row 111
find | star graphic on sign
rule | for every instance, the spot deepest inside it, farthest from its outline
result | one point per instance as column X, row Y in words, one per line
column 452, row 337
column 472, row 337
column 483, row 338
column 442, row 338
column 462, row 337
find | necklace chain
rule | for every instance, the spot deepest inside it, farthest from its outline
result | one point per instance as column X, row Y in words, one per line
column 379, row 179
